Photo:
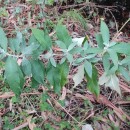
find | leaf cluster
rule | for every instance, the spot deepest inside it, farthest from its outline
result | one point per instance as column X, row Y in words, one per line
column 22, row 59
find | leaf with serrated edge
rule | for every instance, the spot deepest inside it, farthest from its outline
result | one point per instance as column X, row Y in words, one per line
column 78, row 77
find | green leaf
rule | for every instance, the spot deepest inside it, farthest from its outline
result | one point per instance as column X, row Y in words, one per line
column 95, row 60
column 112, row 44
column 47, row 39
column 49, row 54
column 19, row 37
column 37, row 71
column 106, row 62
column 103, row 79
column 21, row 77
column 85, row 45
column 63, row 35
column 94, row 50
column 30, row 49
column 36, row 53
column 14, row 75
column 70, row 57
column 48, row 2
column 112, row 70
column 126, row 60
column 71, row 46
column 113, row 83
column 64, row 71
column 53, row 62
column 32, row 39
column 63, row 60
column 109, row 67
column 90, row 56
column 26, row 67
column 79, row 60
column 13, row 44
column 113, row 56
column 105, row 33
column 54, row 78
column 92, row 83
column 99, row 41
column 122, row 48
column 61, row 44
column 78, row 77
column 110, row 81
column 42, row 37
column 125, row 73
column 2, row 54
column 3, row 39
column 57, row 76
column 34, row 84
column 88, row 68
column 76, row 50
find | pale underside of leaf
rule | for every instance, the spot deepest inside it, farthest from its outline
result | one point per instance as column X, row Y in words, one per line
column 111, row 81
column 78, row 77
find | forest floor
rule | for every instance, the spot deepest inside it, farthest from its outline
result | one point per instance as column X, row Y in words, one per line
column 73, row 109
